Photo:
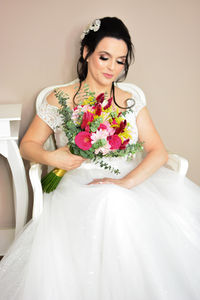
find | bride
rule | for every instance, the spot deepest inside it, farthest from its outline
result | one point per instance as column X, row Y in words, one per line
column 103, row 236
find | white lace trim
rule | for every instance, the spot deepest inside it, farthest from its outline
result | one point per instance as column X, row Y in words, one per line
column 138, row 104
column 50, row 115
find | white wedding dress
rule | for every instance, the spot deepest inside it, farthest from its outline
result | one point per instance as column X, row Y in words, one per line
column 105, row 242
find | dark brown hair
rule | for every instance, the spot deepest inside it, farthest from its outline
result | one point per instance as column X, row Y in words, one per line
column 109, row 27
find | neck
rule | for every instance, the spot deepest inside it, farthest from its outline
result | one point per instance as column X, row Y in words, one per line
column 97, row 87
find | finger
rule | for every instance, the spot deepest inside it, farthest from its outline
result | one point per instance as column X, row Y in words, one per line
column 92, row 182
column 66, row 148
column 78, row 157
column 97, row 182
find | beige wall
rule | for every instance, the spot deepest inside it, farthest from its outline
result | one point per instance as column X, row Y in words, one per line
column 40, row 46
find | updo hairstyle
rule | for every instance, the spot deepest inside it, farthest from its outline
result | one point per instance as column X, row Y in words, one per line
column 109, row 27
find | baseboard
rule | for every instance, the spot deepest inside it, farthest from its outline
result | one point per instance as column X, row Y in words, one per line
column 7, row 236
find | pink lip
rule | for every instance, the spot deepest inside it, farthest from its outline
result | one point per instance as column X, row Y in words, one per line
column 108, row 75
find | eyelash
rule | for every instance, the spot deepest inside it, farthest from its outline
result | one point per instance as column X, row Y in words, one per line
column 105, row 58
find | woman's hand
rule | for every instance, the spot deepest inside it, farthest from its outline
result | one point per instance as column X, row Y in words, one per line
column 121, row 182
column 31, row 148
column 62, row 158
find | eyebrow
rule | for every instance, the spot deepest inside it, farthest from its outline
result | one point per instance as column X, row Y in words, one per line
column 105, row 52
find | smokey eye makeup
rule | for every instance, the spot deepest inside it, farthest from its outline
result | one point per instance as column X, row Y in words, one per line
column 121, row 63
column 103, row 58
column 106, row 58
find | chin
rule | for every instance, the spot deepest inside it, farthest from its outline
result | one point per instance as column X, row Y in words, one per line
column 107, row 80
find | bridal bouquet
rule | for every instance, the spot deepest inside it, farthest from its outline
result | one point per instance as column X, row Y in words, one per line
column 94, row 130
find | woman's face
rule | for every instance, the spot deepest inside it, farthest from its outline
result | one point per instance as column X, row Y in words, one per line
column 107, row 61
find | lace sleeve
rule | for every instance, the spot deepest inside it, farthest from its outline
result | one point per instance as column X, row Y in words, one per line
column 140, row 101
column 50, row 115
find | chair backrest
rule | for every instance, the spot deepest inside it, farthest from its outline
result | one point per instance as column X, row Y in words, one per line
column 129, row 87
column 50, row 143
column 45, row 92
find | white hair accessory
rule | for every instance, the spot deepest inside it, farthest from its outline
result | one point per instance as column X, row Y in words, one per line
column 95, row 25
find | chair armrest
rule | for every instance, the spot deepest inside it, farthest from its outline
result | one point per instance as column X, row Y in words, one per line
column 35, row 173
column 177, row 163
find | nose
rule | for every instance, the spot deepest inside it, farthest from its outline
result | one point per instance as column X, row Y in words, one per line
column 111, row 65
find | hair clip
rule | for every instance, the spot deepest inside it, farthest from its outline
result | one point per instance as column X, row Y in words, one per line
column 94, row 25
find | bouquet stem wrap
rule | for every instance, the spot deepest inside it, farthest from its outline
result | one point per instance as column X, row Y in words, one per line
column 51, row 180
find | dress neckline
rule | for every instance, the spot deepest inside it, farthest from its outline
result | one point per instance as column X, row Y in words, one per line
column 57, row 108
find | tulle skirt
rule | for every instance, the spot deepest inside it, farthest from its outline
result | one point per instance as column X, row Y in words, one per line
column 105, row 242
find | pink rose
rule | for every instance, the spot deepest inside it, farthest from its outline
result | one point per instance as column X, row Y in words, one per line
column 114, row 141
column 83, row 140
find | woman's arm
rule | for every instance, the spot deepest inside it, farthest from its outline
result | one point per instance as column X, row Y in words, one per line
column 156, row 156
column 153, row 146
column 31, row 148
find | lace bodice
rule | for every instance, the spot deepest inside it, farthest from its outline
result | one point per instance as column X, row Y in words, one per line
column 50, row 115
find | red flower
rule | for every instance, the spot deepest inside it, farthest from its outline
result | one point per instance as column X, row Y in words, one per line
column 87, row 128
column 121, row 127
column 83, row 140
column 114, row 141
column 108, row 104
column 98, row 109
column 114, row 122
column 102, row 126
column 100, row 98
column 87, row 117
column 124, row 144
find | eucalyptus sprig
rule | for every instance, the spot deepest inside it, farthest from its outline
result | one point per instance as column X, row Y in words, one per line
column 94, row 130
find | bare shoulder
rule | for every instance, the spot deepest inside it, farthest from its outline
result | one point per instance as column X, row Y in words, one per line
column 69, row 90
column 122, row 96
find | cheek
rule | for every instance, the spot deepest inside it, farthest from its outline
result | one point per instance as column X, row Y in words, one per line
column 120, row 68
column 99, row 63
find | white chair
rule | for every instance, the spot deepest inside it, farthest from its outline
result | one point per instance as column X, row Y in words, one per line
column 175, row 162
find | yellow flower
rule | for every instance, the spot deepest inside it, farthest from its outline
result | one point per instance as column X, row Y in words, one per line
column 118, row 121
column 126, row 134
column 88, row 101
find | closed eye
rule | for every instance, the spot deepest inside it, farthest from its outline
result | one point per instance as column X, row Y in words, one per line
column 106, row 58
column 103, row 58
column 121, row 62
